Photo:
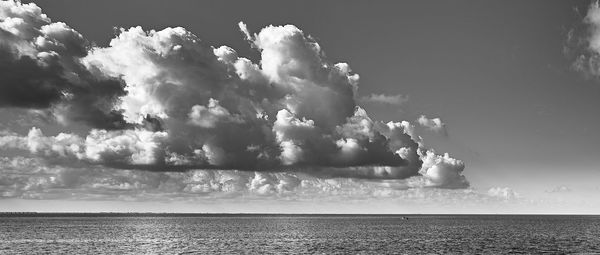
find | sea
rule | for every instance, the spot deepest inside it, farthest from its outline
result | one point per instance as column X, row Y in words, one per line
column 298, row 234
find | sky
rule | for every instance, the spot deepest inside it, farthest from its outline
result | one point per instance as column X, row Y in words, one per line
column 236, row 106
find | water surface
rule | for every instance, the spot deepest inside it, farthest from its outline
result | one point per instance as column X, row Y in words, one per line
column 300, row 234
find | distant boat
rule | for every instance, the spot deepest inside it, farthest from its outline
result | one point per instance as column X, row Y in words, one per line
column 405, row 218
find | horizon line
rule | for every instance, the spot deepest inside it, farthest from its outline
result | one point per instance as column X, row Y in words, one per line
column 16, row 213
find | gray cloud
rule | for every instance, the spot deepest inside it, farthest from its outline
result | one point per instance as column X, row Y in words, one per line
column 385, row 99
column 40, row 68
column 168, row 102
column 583, row 43
column 33, row 178
column 559, row 189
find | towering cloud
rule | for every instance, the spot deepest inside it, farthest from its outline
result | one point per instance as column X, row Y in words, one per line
column 167, row 101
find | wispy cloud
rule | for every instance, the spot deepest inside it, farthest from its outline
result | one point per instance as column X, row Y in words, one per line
column 385, row 99
column 505, row 193
column 559, row 189
column 583, row 43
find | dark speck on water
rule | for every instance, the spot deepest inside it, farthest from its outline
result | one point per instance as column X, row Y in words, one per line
column 299, row 234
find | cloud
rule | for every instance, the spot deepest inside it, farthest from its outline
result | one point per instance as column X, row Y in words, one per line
column 443, row 171
column 33, row 178
column 129, row 147
column 435, row 124
column 583, row 43
column 559, row 189
column 208, row 116
column 167, row 102
column 503, row 193
column 385, row 99
column 40, row 68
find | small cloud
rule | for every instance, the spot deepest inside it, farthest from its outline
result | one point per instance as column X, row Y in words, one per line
column 505, row 193
column 559, row 189
column 434, row 124
column 244, row 29
column 385, row 99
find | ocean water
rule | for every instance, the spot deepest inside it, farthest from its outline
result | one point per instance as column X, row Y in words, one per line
column 300, row 235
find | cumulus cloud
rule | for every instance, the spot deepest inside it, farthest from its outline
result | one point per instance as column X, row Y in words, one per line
column 208, row 116
column 434, row 124
column 41, row 68
column 127, row 147
column 385, row 99
column 167, row 101
column 443, row 171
